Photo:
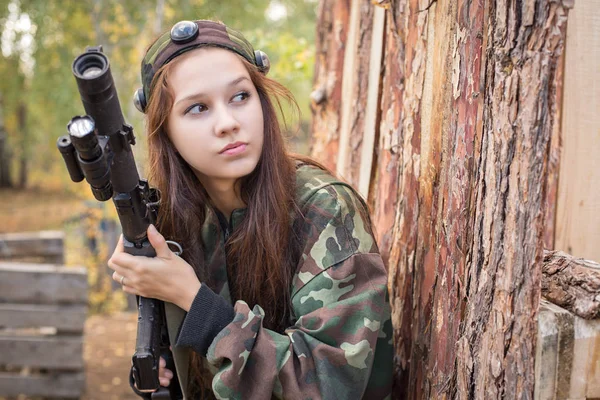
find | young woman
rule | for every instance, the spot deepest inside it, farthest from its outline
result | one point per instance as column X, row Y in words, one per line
column 283, row 291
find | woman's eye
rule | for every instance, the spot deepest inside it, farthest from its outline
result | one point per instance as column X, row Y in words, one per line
column 195, row 109
column 241, row 96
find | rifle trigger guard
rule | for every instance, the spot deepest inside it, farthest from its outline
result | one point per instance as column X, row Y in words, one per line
column 177, row 245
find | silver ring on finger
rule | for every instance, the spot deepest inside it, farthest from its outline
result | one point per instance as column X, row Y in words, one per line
column 179, row 250
column 122, row 281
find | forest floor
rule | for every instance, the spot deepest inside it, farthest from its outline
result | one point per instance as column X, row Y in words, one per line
column 109, row 344
column 36, row 209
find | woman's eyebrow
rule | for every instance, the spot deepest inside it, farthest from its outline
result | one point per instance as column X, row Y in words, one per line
column 200, row 94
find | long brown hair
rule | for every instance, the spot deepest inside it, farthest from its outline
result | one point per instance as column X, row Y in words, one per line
column 262, row 252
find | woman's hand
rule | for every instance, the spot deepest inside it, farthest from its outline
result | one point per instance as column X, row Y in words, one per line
column 165, row 277
column 164, row 375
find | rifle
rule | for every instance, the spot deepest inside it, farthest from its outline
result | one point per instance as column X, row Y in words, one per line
column 98, row 148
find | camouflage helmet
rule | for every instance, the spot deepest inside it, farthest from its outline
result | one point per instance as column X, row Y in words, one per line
column 189, row 35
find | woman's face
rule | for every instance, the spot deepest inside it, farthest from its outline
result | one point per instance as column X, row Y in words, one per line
column 216, row 123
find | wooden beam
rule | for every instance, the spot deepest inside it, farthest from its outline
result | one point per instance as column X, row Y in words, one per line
column 64, row 352
column 46, row 244
column 373, row 102
column 65, row 318
column 42, row 283
column 348, row 83
column 63, row 385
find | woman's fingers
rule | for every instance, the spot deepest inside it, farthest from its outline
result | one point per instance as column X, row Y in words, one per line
column 164, row 382
column 117, row 277
column 164, row 375
column 159, row 243
column 120, row 246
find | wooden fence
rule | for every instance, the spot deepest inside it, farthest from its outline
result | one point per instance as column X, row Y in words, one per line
column 43, row 247
column 42, row 314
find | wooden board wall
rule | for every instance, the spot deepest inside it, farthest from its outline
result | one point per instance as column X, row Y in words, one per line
column 578, row 206
column 42, row 315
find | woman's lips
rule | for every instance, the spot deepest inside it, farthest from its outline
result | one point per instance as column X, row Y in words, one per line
column 234, row 149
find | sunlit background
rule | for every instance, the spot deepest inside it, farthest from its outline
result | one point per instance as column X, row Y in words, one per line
column 38, row 95
column 41, row 38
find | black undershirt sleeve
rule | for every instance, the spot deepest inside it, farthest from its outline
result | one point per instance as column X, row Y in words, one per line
column 208, row 315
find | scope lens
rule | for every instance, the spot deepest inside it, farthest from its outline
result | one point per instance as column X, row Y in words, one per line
column 90, row 65
column 81, row 126
column 92, row 72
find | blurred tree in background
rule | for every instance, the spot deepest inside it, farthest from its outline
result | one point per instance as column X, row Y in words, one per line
column 40, row 39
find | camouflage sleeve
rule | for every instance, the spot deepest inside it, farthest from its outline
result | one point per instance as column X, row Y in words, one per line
column 340, row 306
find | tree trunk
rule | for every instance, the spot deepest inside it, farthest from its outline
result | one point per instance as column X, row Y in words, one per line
column 326, row 98
column 159, row 16
column 24, row 142
column 467, row 111
column 5, row 156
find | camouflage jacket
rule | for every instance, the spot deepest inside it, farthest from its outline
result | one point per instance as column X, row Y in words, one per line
column 340, row 346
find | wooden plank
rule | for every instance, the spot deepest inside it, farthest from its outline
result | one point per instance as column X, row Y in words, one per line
column 348, row 86
column 64, row 352
column 554, row 354
column 553, row 173
column 357, row 98
column 585, row 374
column 578, row 206
column 546, row 354
column 565, row 349
column 567, row 355
column 373, row 103
column 65, row 318
column 46, row 244
column 63, row 385
column 42, row 283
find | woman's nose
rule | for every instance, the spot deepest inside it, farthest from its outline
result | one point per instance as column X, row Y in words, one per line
column 225, row 121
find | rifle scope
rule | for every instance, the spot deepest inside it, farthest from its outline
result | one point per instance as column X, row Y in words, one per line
column 101, row 102
column 97, row 89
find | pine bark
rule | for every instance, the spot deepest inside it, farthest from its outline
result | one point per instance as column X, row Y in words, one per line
column 468, row 113
column 503, row 285
column 326, row 98
column 572, row 283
